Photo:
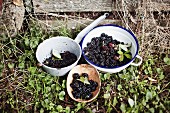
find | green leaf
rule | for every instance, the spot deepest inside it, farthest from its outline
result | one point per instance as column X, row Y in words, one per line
column 143, row 102
column 119, row 87
column 9, row 51
column 46, row 101
column 33, row 43
column 26, row 41
column 167, row 60
column 129, row 56
column 67, row 110
column 53, row 86
column 158, row 70
column 58, row 88
column 61, row 95
column 84, row 80
column 11, row 65
column 131, row 102
column 48, row 89
column 152, row 110
column 108, row 87
column 89, row 110
column 59, row 108
column 122, row 107
column 31, row 83
column 150, row 70
column 79, row 106
column 120, row 52
column 51, row 106
column 148, row 95
column 146, row 71
column 121, row 58
column 64, row 84
column 124, row 46
column 107, row 95
column 38, row 88
column 115, row 101
column 41, row 110
column 21, row 65
column 56, row 53
column 107, row 76
column 161, row 76
column 32, row 70
column 160, row 111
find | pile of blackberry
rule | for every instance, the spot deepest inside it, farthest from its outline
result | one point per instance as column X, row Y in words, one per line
column 82, row 90
column 68, row 58
column 102, row 51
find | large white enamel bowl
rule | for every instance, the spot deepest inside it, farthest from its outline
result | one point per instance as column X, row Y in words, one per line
column 60, row 44
column 119, row 33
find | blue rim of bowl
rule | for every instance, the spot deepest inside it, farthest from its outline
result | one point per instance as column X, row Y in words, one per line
column 112, row 26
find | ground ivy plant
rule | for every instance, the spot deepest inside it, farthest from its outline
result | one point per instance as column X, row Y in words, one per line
column 25, row 87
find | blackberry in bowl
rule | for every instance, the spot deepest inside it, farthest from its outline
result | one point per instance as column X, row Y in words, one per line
column 107, row 52
column 83, row 83
column 60, row 60
column 110, row 48
column 58, row 55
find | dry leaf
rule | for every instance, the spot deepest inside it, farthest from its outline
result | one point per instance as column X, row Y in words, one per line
column 132, row 19
column 17, row 2
column 0, row 7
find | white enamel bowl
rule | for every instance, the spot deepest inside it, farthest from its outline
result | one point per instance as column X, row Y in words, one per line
column 60, row 44
column 119, row 33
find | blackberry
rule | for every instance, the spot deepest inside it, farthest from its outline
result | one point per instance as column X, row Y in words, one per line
column 102, row 48
column 76, row 94
column 103, row 38
column 95, row 84
column 103, row 35
column 114, row 41
column 88, row 44
column 68, row 58
column 76, row 76
column 93, row 88
column 88, row 96
column 81, row 90
column 72, row 85
column 97, row 41
column 105, row 48
column 88, row 90
column 112, row 51
column 109, row 38
column 85, row 75
column 107, row 63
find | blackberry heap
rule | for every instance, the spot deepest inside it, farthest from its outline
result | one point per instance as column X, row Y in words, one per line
column 67, row 58
column 82, row 87
column 104, row 51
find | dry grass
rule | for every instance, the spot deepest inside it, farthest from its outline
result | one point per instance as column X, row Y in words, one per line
column 150, row 23
column 152, row 30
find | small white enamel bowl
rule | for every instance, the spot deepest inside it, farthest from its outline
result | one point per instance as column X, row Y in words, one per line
column 60, row 44
column 119, row 33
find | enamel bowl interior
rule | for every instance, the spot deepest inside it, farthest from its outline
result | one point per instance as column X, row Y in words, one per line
column 93, row 75
column 61, row 44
